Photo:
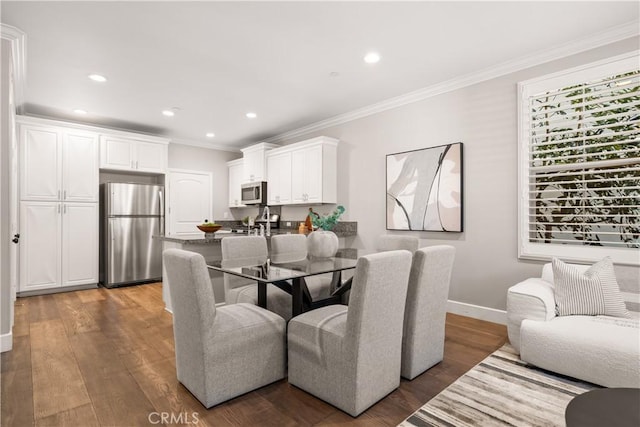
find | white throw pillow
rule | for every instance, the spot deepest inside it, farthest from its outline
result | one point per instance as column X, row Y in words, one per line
column 593, row 292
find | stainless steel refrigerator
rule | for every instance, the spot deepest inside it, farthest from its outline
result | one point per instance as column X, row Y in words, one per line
column 131, row 215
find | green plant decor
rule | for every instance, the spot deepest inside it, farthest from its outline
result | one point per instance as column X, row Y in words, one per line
column 327, row 222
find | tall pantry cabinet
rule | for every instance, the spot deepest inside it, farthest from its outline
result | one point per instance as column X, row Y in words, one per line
column 58, row 206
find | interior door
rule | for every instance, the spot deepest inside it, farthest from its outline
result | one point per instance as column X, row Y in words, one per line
column 190, row 201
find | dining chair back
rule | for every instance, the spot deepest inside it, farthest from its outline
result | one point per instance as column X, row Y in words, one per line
column 350, row 356
column 220, row 352
column 390, row 242
column 426, row 309
column 293, row 247
column 246, row 251
column 288, row 248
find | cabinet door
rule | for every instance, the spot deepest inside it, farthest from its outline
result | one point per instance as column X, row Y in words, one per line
column 40, row 163
column 79, row 243
column 306, row 176
column 279, row 179
column 313, row 174
column 253, row 166
column 79, row 167
column 235, row 180
column 151, row 157
column 40, row 234
column 117, row 153
column 190, row 201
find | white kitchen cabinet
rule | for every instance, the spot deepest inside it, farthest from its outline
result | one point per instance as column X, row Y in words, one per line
column 235, row 180
column 58, row 164
column 308, row 176
column 314, row 171
column 279, row 178
column 79, row 166
column 254, row 162
column 58, row 245
column 131, row 154
column 79, row 244
column 40, row 250
column 40, row 163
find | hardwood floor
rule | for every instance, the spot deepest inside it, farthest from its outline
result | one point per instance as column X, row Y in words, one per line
column 105, row 357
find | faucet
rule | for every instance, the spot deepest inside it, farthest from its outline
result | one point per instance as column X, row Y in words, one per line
column 266, row 216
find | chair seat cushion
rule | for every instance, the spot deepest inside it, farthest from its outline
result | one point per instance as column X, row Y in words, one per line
column 315, row 331
column 235, row 317
column 278, row 301
column 600, row 349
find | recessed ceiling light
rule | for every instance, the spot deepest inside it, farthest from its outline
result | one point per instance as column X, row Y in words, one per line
column 252, row 115
column 80, row 111
column 210, row 135
column 372, row 58
column 168, row 113
column 97, row 78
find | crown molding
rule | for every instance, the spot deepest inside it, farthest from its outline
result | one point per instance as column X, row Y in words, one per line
column 612, row 35
column 18, row 41
column 207, row 145
column 89, row 127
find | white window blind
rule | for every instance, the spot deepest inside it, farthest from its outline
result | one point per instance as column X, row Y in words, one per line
column 580, row 163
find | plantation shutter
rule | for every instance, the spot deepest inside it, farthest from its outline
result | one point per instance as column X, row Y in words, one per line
column 582, row 140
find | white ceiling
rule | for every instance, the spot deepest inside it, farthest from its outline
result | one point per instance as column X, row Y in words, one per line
column 218, row 60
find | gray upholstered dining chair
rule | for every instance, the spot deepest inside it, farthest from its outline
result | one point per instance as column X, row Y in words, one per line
column 390, row 242
column 292, row 248
column 350, row 356
column 221, row 352
column 426, row 309
column 244, row 251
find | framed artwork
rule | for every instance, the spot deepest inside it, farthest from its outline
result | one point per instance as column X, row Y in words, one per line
column 424, row 189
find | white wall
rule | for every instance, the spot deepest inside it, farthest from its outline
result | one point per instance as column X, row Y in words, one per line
column 5, row 288
column 483, row 117
column 207, row 160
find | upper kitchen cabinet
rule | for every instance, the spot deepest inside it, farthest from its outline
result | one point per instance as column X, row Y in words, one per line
column 312, row 171
column 254, row 162
column 57, row 163
column 133, row 154
column 236, row 170
column 279, row 177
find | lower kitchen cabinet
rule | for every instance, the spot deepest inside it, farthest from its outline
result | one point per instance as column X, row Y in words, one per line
column 58, row 245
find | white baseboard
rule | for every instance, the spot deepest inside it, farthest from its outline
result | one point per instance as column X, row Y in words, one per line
column 477, row 312
column 6, row 342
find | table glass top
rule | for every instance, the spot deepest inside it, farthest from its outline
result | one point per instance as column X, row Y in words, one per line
column 271, row 272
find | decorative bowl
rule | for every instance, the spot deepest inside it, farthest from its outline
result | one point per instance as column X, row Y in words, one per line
column 209, row 228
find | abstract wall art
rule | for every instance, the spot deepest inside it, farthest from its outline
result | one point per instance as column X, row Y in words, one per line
column 424, row 189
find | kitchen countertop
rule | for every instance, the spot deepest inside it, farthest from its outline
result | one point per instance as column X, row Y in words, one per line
column 199, row 239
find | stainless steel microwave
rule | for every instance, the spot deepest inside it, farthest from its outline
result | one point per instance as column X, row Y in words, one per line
column 254, row 193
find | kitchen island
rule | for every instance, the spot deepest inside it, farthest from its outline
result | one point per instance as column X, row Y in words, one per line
column 210, row 248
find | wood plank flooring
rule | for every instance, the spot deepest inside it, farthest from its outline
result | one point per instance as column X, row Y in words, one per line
column 105, row 357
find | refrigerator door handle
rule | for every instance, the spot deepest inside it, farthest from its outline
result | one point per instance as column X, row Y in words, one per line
column 161, row 212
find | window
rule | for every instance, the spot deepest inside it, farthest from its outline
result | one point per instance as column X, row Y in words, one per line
column 580, row 163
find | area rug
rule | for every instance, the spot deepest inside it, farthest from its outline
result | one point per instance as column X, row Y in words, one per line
column 501, row 391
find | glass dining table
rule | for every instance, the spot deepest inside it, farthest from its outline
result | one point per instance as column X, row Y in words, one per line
column 290, row 277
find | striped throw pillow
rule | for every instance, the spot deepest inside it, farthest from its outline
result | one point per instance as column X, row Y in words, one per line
column 593, row 292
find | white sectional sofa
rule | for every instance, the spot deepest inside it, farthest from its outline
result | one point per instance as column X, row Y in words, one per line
column 602, row 350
